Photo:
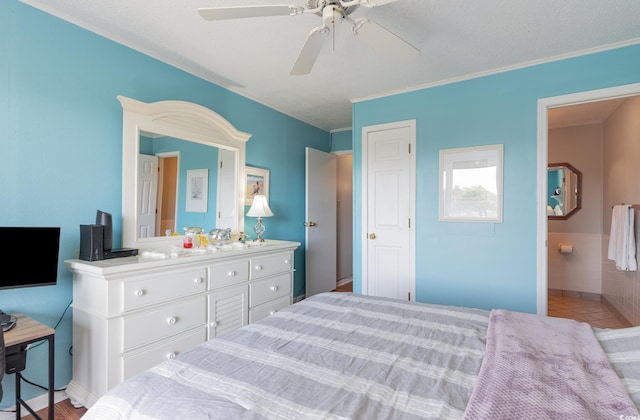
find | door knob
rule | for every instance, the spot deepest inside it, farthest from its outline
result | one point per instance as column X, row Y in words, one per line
column 310, row 224
column 372, row 236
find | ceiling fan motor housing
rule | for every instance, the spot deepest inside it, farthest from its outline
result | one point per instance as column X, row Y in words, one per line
column 333, row 5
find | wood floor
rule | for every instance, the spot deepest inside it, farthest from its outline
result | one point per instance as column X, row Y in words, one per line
column 595, row 313
column 62, row 411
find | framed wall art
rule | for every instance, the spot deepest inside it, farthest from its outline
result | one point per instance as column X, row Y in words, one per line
column 257, row 182
column 197, row 190
column 471, row 184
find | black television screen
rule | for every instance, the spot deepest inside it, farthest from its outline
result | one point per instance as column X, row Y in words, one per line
column 33, row 247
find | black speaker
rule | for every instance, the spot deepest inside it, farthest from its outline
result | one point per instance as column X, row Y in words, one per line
column 91, row 242
column 105, row 220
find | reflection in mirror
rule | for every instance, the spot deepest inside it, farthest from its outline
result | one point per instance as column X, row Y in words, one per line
column 564, row 183
column 175, row 137
column 163, row 166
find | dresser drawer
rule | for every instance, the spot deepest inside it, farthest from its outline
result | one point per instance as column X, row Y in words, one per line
column 228, row 273
column 166, row 321
column 269, row 289
column 269, row 308
column 271, row 264
column 158, row 353
column 162, row 287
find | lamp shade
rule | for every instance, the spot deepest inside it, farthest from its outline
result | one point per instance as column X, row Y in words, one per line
column 259, row 207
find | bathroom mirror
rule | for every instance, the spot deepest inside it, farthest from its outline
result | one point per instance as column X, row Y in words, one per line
column 564, row 184
column 200, row 139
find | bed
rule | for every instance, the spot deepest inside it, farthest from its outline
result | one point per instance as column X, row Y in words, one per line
column 348, row 356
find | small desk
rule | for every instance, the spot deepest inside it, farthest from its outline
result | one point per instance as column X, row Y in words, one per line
column 27, row 331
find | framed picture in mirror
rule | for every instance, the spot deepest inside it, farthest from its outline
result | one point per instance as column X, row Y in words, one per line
column 197, row 190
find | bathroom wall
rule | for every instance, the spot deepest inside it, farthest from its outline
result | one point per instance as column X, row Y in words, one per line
column 580, row 272
column 621, row 159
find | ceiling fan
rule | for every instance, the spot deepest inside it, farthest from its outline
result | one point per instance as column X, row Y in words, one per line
column 332, row 12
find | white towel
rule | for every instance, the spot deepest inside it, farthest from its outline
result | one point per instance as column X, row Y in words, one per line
column 622, row 242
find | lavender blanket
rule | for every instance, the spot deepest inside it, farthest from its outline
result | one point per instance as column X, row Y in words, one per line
column 542, row 368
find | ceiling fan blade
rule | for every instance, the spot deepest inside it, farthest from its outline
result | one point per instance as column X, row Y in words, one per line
column 310, row 51
column 239, row 12
column 375, row 3
column 383, row 40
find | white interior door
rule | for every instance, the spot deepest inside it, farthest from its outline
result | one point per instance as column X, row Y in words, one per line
column 227, row 183
column 389, row 210
column 320, row 231
column 148, row 188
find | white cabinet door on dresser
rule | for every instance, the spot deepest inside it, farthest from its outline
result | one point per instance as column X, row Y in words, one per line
column 132, row 313
column 228, row 309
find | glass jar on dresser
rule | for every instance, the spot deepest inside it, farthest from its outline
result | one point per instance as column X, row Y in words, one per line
column 132, row 313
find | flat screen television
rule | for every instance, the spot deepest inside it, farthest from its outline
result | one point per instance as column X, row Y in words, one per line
column 36, row 249
column 33, row 248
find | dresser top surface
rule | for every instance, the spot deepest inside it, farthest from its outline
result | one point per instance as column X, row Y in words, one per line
column 162, row 258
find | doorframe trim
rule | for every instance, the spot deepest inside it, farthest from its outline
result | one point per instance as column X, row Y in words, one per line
column 412, row 200
column 544, row 104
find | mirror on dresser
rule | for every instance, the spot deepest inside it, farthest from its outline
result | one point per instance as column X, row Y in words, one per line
column 564, row 185
column 187, row 142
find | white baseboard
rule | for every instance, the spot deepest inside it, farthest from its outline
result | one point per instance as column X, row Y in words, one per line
column 36, row 404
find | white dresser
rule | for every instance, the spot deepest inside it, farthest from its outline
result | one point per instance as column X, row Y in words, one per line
column 132, row 313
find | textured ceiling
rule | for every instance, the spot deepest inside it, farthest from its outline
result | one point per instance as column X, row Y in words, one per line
column 253, row 57
column 588, row 113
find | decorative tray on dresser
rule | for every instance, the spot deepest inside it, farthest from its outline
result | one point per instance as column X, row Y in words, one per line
column 132, row 313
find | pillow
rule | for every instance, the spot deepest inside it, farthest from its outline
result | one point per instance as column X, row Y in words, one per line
column 623, row 352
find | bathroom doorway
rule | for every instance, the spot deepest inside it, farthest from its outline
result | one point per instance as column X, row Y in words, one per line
column 573, row 128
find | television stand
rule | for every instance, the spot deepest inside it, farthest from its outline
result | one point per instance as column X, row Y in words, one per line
column 7, row 321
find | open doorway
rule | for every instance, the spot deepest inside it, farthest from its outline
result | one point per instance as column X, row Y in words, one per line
column 581, row 129
column 167, row 194
column 329, row 221
column 344, row 192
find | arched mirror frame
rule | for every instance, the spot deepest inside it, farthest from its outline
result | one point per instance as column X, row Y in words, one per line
column 181, row 120
column 578, row 174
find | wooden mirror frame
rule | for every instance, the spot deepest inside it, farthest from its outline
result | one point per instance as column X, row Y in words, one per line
column 182, row 120
column 578, row 206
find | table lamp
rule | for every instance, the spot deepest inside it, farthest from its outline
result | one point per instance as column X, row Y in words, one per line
column 259, row 208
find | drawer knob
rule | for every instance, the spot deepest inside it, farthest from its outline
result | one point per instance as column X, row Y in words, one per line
column 272, row 312
column 232, row 273
column 171, row 355
column 139, row 292
column 258, row 267
column 198, row 280
column 171, row 320
column 274, row 288
column 287, row 262
column 214, row 324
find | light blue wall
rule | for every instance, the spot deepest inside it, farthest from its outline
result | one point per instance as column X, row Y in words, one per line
column 474, row 264
column 61, row 142
column 341, row 140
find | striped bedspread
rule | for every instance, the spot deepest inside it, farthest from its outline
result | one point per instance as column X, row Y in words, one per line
column 331, row 356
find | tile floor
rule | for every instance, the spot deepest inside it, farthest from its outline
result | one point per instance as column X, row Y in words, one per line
column 596, row 313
